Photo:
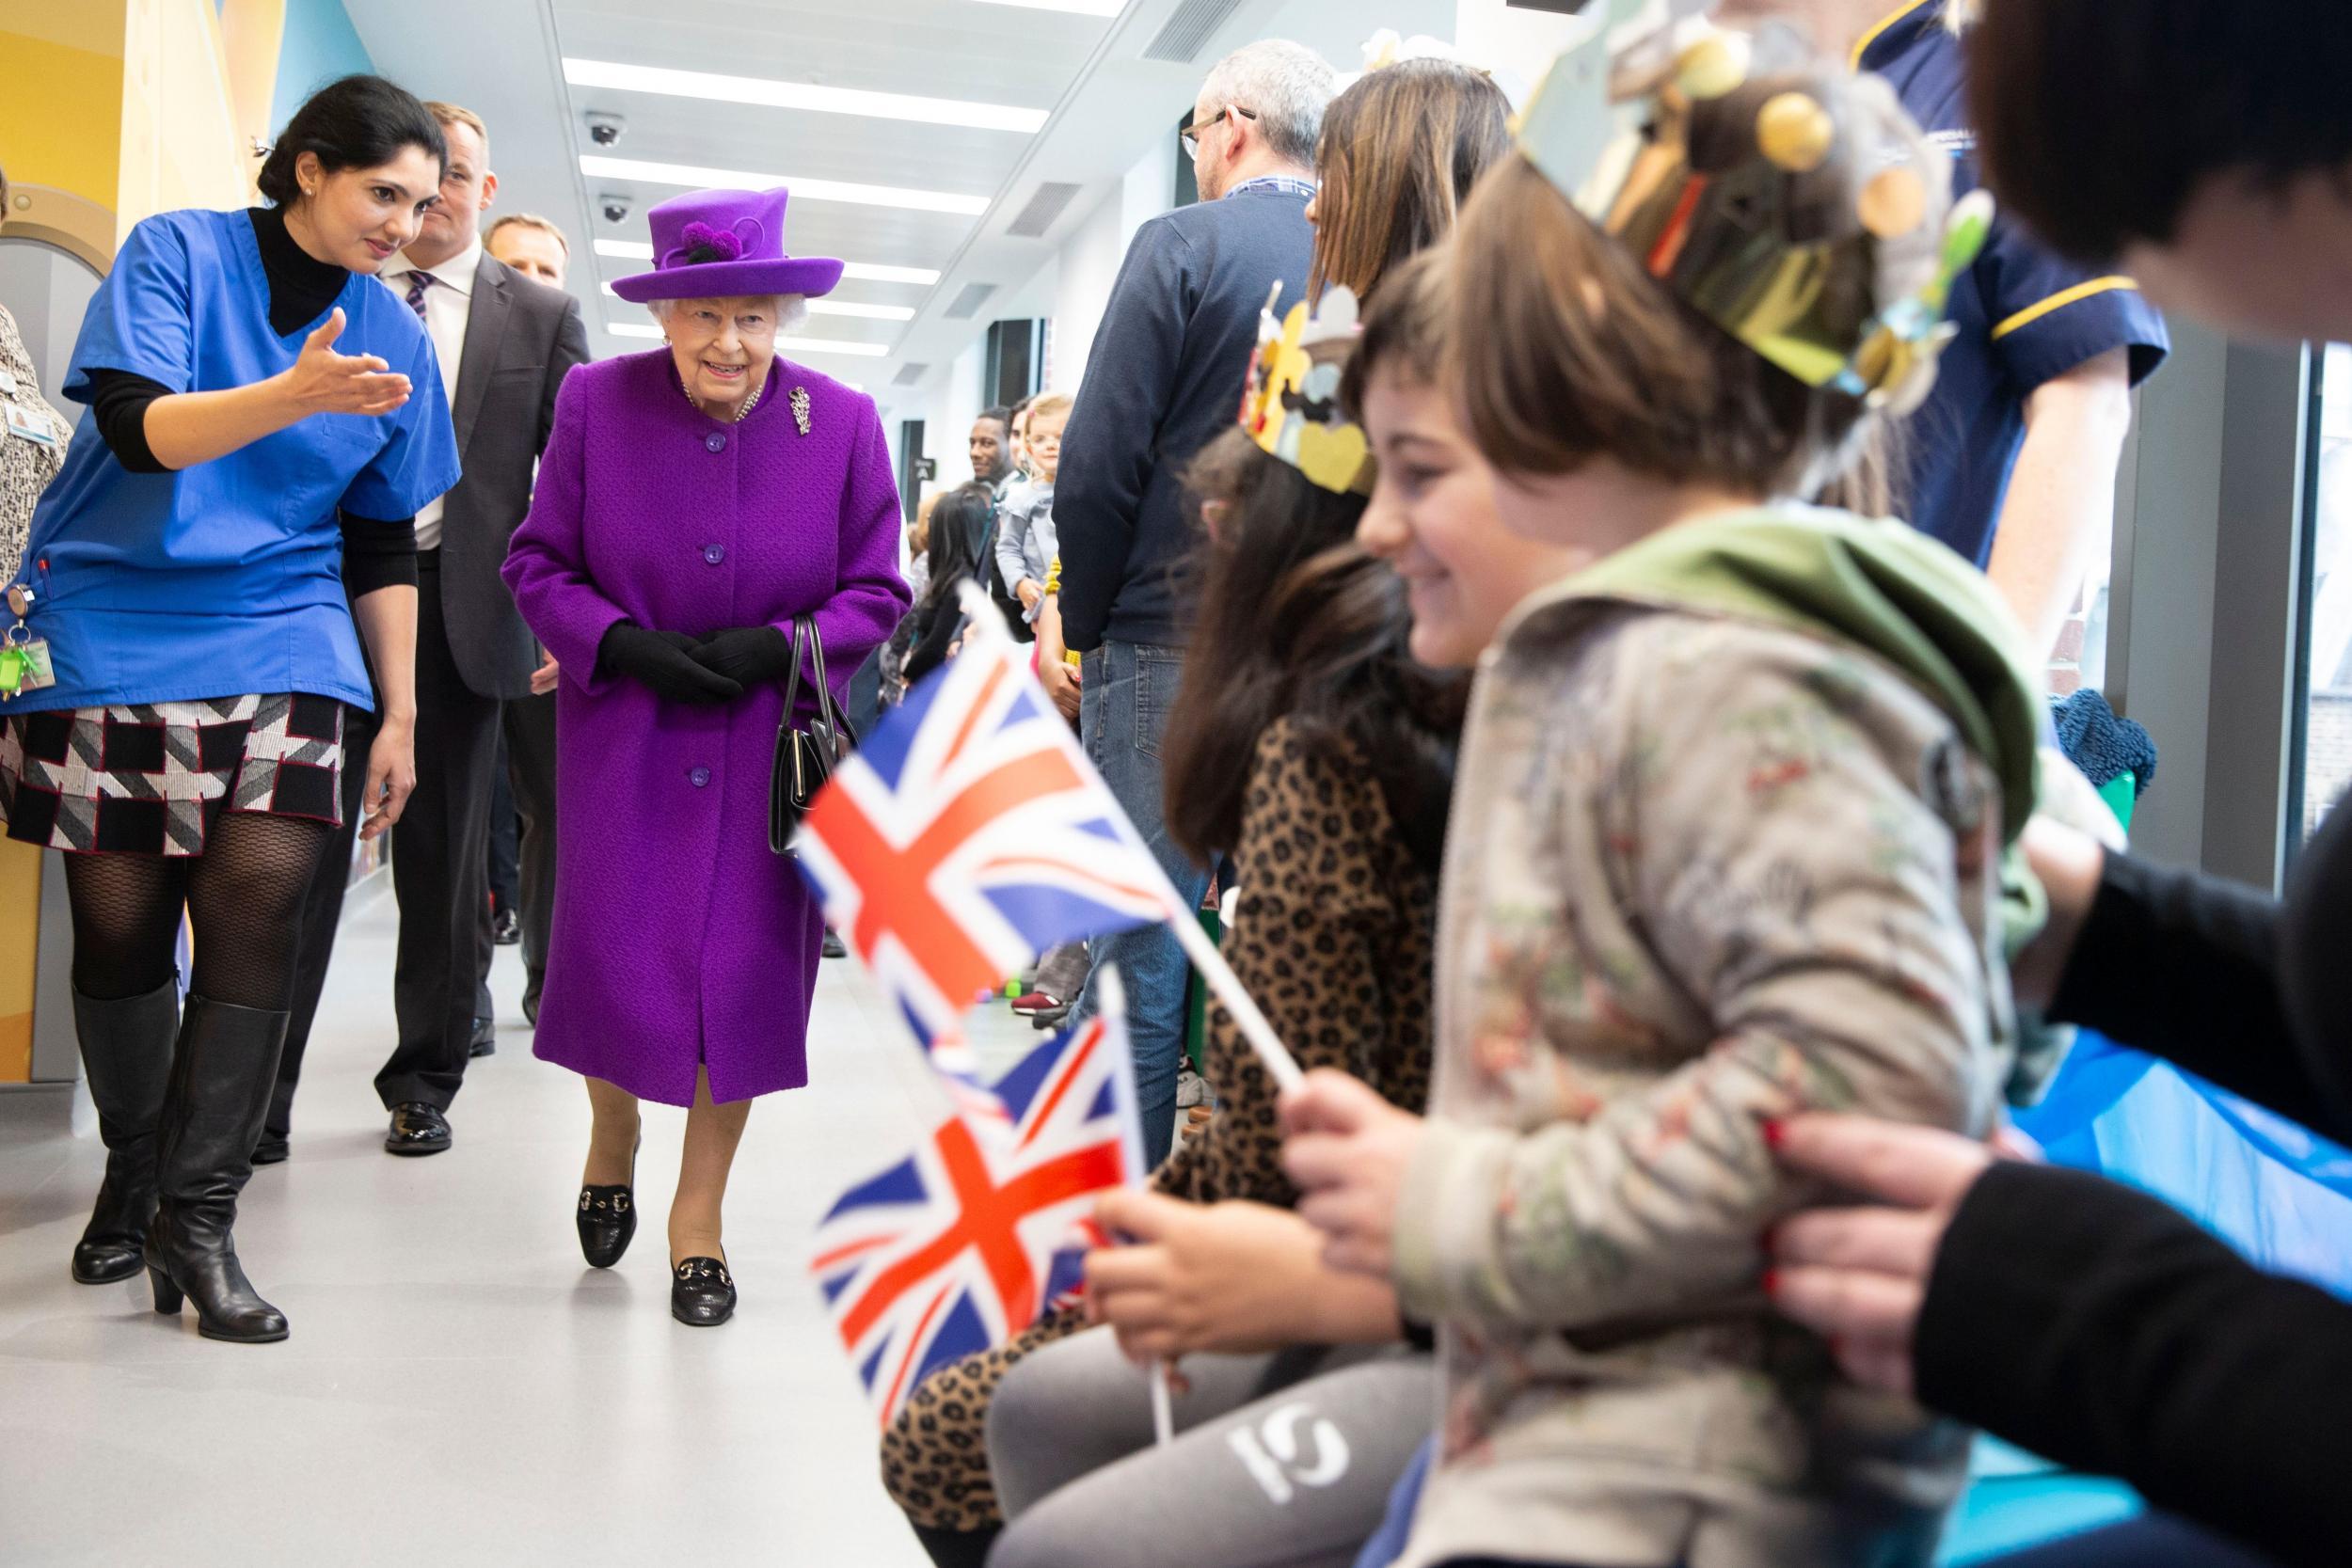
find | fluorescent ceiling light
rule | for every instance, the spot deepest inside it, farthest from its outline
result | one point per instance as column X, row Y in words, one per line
column 802, row 95
column 869, row 271
column 1082, row 8
column 864, row 313
column 696, row 177
column 795, row 345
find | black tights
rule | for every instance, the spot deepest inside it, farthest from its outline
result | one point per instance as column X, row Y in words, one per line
column 244, row 899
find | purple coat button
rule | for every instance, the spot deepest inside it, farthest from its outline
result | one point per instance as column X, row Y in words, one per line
column 700, row 777
column 713, row 554
column 716, row 440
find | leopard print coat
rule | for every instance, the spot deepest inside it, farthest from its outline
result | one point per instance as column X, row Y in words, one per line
column 26, row 467
column 1333, row 938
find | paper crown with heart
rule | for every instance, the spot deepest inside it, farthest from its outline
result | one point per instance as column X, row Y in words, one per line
column 1290, row 403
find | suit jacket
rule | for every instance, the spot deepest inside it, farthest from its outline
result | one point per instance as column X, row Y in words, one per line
column 521, row 339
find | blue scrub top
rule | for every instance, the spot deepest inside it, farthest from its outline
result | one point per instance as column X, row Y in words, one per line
column 2025, row 315
column 225, row 578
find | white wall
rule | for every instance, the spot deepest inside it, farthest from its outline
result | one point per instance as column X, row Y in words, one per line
column 1499, row 37
column 1089, row 259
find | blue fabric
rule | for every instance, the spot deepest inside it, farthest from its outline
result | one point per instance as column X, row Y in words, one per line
column 2277, row 1192
column 1388, row 1543
column 1125, row 698
column 223, row 577
column 2018, row 326
column 2102, row 745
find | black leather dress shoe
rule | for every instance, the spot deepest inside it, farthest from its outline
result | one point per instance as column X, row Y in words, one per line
column 607, row 1218
column 486, row 1038
column 702, row 1294
column 417, row 1129
column 506, row 929
column 272, row 1149
column 832, row 945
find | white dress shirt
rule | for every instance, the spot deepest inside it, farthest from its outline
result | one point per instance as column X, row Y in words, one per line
column 448, row 307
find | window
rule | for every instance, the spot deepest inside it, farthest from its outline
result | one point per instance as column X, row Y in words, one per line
column 2325, row 767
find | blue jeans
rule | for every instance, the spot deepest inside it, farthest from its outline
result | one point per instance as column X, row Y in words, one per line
column 1129, row 687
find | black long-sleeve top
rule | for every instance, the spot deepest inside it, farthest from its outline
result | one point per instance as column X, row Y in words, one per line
column 2096, row 1325
column 377, row 553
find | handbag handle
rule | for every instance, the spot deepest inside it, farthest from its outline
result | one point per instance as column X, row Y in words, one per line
column 808, row 645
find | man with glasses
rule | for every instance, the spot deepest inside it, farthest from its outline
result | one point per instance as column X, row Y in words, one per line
column 1175, row 340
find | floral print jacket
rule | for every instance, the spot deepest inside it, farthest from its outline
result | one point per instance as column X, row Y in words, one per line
column 1724, row 871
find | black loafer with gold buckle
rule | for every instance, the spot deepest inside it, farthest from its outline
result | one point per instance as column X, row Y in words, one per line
column 702, row 1293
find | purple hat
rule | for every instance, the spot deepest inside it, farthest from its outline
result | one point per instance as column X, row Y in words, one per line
column 718, row 244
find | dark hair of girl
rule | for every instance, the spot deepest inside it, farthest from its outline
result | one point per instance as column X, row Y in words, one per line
column 359, row 122
column 1296, row 622
column 958, row 533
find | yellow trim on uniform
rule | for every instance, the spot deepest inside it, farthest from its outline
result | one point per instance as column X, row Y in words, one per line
column 1863, row 45
column 2059, row 300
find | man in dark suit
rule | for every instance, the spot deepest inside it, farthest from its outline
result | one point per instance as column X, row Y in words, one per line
column 504, row 344
column 1160, row 383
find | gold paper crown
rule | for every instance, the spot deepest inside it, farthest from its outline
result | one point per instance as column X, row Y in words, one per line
column 1290, row 401
column 1723, row 228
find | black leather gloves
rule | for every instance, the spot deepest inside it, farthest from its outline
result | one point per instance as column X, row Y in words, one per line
column 749, row 655
column 664, row 663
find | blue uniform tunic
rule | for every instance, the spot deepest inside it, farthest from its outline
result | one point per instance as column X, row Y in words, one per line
column 2025, row 315
column 224, row 577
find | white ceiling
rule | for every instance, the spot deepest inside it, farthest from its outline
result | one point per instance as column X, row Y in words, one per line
column 504, row 59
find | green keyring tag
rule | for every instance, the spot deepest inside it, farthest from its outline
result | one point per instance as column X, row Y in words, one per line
column 13, row 665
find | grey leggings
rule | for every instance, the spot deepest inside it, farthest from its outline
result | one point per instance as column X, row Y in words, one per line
column 1281, row 1461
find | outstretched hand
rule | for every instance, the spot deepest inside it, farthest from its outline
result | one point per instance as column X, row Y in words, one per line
column 1347, row 1149
column 1858, row 1275
column 325, row 382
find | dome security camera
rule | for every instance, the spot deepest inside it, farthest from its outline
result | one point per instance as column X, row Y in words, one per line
column 604, row 129
column 615, row 207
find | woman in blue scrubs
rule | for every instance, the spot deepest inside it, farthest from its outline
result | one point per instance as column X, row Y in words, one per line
column 266, row 421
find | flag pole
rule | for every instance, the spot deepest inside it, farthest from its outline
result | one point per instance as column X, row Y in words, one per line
column 1163, row 1412
column 986, row 622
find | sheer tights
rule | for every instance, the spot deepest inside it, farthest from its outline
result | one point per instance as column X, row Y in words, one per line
column 243, row 899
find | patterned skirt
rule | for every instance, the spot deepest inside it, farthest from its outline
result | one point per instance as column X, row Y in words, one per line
column 150, row 778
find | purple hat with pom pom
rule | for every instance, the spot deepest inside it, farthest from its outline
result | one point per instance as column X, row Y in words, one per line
column 717, row 245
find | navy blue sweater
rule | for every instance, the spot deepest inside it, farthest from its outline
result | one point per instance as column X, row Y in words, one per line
column 1163, row 380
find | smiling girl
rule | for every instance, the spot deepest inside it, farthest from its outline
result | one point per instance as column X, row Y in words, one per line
column 265, row 422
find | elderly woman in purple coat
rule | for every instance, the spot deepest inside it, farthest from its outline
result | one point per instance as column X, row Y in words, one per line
column 693, row 503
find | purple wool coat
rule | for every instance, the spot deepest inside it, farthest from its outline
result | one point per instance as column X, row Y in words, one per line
column 679, row 937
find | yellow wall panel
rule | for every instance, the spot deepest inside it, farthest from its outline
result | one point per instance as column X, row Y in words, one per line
column 20, row 945
column 57, row 120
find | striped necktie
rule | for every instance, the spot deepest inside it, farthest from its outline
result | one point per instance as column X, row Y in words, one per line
column 417, row 283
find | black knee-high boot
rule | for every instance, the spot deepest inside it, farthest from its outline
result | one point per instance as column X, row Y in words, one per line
column 126, row 1056
column 221, row 1078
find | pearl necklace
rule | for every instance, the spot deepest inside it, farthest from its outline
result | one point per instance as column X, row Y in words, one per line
column 740, row 415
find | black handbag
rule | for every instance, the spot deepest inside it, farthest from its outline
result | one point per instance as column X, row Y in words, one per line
column 805, row 754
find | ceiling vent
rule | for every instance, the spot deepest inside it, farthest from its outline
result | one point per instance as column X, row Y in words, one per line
column 909, row 374
column 968, row 303
column 1190, row 27
column 1052, row 199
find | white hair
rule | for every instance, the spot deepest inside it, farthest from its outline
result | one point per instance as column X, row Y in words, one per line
column 1286, row 85
column 791, row 310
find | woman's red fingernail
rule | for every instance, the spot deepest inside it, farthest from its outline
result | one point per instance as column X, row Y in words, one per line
column 1776, row 1133
column 1772, row 1282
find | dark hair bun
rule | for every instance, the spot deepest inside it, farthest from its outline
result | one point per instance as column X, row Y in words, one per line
column 359, row 122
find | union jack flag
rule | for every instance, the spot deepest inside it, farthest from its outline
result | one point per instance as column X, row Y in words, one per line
column 968, row 834
column 971, row 1238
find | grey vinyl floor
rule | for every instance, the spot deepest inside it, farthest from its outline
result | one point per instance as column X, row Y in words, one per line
column 459, row 1388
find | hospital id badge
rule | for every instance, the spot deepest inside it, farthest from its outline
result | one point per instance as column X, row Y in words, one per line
column 29, row 425
column 24, row 667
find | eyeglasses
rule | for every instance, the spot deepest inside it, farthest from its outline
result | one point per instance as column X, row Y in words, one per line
column 1191, row 133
